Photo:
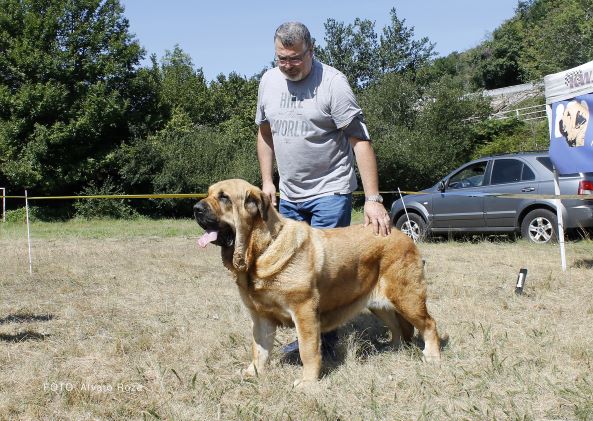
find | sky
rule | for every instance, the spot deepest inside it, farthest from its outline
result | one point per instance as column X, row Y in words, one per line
column 237, row 36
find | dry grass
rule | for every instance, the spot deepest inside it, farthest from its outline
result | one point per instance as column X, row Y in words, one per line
column 124, row 326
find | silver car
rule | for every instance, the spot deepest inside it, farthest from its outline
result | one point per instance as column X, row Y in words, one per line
column 463, row 201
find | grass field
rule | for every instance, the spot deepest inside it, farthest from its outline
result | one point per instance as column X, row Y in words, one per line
column 130, row 320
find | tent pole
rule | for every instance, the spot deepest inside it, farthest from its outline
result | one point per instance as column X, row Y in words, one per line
column 560, row 220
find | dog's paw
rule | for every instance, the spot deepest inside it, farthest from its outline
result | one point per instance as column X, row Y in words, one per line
column 250, row 371
column 306, row 385
column 239, row 261
column 431, row 358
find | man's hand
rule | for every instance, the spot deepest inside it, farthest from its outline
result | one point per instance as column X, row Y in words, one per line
column 375, row 214
column 270, row 190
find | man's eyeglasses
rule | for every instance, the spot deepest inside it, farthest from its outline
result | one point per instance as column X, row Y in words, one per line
column 294, row 60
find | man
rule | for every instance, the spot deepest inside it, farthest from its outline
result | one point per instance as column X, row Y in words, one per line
column 310, row 122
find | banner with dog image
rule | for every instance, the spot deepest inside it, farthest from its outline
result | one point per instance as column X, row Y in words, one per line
column 569, row 104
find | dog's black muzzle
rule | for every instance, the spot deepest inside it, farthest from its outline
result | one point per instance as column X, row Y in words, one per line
column 209, row 222
column 204, row 216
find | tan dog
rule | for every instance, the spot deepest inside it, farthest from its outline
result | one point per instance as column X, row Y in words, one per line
column 315, row 279
column 573, row 124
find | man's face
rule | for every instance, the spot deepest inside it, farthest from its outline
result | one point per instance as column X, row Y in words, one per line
column 294, row 62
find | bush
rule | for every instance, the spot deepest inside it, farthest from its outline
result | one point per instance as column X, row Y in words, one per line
column 186, row 158
column 20, row 215
column 525, row 137
column 422, row 140
column 103, row 208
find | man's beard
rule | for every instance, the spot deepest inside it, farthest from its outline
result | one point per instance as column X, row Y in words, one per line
column 295, row 77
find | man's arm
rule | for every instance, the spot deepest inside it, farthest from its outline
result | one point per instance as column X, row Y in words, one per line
column 265, row 155
column 374, row 212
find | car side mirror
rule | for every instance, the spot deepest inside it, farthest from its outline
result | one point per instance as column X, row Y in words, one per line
column 441, row 186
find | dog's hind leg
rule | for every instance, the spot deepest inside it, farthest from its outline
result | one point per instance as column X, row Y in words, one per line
column 264, row 332
column 408, row 296
column 407, row 328
column 432, row 343
column 413, row 310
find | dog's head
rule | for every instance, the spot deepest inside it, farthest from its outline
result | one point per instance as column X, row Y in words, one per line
column 228, row 215
column 573, row 124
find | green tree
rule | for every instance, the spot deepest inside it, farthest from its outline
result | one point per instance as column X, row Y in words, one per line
column 186, row 158
column 444, row 136
column 399, row 51
column 184, row 87
column 420, row 132
column 233, row 97
column 66, row 67
column 147, row 111
column 513, row 136
column 558, row 36
column 364, row 56
column 392, row 101
column 352, row 49
column 497, row 60
column 543, row 37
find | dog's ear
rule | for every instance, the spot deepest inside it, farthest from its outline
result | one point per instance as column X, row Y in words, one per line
column 562, row 128
column 579, row 120
column 257, row 202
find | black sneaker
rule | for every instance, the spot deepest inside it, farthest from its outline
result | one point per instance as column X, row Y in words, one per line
column 328, row 344
column 291, row 347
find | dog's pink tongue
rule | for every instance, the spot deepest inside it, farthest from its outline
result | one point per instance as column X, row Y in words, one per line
column 207, row 238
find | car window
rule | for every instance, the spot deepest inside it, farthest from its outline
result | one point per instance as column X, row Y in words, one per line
column 547, row 162
column 527, row 174
column 471, row 176
column 506, row 171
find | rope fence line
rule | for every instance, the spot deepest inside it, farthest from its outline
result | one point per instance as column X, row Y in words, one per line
column 155, row 196
column 357, row 193
column 117, row 196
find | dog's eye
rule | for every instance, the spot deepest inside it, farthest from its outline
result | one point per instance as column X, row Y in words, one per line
column 224, row 198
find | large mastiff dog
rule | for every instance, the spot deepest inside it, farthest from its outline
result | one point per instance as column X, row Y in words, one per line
column 314, row 279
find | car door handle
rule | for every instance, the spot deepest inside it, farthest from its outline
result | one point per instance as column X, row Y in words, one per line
column 528, row 189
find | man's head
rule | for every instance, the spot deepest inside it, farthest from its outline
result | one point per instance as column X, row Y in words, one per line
column 294, row 50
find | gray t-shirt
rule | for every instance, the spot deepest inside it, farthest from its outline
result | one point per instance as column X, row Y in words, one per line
column 313, row 154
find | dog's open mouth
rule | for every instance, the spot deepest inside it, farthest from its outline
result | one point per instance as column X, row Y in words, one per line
column 222, row 235
column 208, row 237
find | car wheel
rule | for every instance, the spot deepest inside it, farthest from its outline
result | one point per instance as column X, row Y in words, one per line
column 414, row 228
column 540, row 226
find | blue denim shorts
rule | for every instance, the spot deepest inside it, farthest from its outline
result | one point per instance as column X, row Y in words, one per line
column 324, row 212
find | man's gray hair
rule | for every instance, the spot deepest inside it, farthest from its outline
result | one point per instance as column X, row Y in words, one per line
column 291, row 33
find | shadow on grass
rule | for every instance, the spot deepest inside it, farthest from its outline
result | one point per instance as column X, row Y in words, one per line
column 25, row 318
column 27, row 335
column 584, row 263
column 368, row 336
column 23, row 336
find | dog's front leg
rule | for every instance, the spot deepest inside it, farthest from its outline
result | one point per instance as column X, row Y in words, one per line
column 306, row 320
column 263, row 340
